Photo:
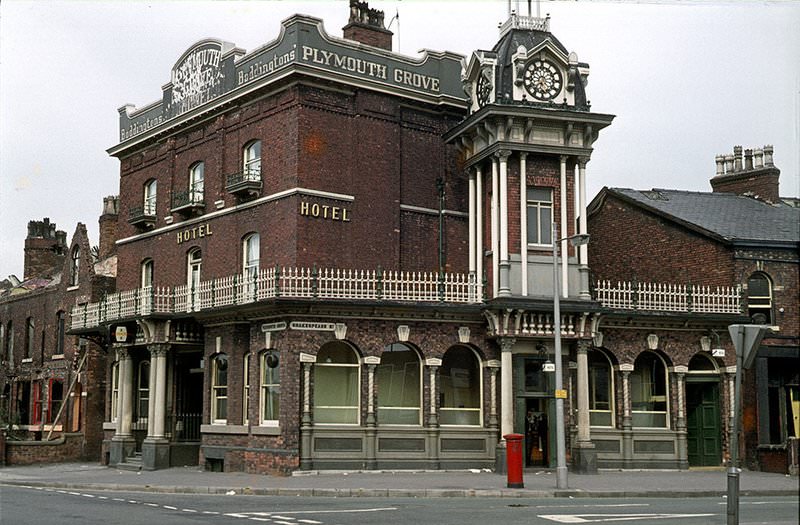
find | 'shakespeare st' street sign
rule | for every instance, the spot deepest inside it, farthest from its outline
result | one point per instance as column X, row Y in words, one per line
column 212, row 72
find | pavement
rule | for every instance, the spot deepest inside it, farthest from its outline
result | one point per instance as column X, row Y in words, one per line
column 385, row 483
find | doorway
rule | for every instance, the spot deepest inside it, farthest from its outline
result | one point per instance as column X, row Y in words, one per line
column 532, row 410
column 704, row 436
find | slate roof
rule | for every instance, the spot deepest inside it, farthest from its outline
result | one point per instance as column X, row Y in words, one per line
column 734, row 218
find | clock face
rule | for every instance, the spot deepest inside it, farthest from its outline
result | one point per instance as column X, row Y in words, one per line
column 542, row 80
column 483, row 89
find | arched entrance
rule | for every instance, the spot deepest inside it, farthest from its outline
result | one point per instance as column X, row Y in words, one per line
column 703, row 422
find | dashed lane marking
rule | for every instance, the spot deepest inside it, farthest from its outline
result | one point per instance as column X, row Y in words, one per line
column 602, row 518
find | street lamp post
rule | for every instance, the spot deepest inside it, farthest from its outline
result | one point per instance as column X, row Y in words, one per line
column 560, row 393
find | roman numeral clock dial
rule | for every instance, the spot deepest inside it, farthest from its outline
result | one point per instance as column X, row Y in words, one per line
column 542, row 80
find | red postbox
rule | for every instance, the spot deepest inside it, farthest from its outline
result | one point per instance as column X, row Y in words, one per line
column 514, row 460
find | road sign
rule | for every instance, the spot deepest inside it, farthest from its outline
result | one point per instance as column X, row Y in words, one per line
column 746, row 340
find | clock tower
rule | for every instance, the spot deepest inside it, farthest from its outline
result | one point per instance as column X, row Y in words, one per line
column 525, row 145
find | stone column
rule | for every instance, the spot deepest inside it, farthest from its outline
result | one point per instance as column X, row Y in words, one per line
column 122, row 444
column 680, row 421
column 585, row 460
column 432, row 429
column 126, row 397
column 583, row 250
column 506, row 387
column 371, row 433
column 495, row 237
column 151, row 398
column 523, row 223
column 499, row 451
column 479, row 230
column 505, row 265
column 155, row 448
column 564, row 229
column 627, row 428
column 306, row 429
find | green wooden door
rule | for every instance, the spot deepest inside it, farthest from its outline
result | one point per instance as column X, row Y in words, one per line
column 703, row 424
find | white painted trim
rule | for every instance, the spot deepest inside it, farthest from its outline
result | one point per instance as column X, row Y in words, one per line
column 239, row 207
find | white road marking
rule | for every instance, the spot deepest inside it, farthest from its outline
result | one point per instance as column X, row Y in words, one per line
column 342, row 511
column 210, row 512
column 102, row 497
column 118, row 499
column 260, row 519
column 284, row 522
column 592, row 506
column 310, row 521
column 598, row 518
column 87, row 495
column 74, row 493
column 279, row 517
column 133, row 501
column 152, row 504
column 235, row 515
column 188, row 510
column 170, row 507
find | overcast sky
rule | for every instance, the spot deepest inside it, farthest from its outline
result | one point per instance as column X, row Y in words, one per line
column 686, row 79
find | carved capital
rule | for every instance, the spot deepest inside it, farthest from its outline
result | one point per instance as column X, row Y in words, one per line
column 158, row 349
column 503, row 155
column 583, row 346
column 507, row 343
column 583, row 161
column 122, row 352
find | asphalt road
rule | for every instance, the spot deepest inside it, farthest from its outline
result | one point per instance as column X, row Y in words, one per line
column 40, row 506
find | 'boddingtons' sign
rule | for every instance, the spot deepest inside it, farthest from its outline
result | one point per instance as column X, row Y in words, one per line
column 213, row 69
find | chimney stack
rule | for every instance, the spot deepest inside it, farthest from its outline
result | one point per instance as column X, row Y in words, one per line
column 751, row 177
column 748, row 159
column 108, row 227
column 365, row 25
column 45, row 249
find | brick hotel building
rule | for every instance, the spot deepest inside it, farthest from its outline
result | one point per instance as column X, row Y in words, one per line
column 336, row 256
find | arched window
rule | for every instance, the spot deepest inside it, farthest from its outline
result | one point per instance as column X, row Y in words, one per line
column 114, row 390
column 460, row 388
column 337, row 385
column 196, row 184
column 150, row 189
column 219, row 389
column 143, row 391
column 75, row 265
column 30, row 336
column 649, row 392
column 147, row 273
column 399, row 379
column 270, row 387
column 601, row 390
column 759, row 298
column 252, row 161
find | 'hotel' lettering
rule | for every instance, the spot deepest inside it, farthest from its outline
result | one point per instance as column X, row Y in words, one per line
column 324, row 211
column 198, row 232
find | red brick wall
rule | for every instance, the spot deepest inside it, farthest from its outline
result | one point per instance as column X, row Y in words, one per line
column 628, row 243
column 70, row 448
column 763, row 183
column 368, row 35
column 359, row 143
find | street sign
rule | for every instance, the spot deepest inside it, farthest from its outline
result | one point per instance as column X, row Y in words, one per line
column 561, row 394
column 746, row 340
